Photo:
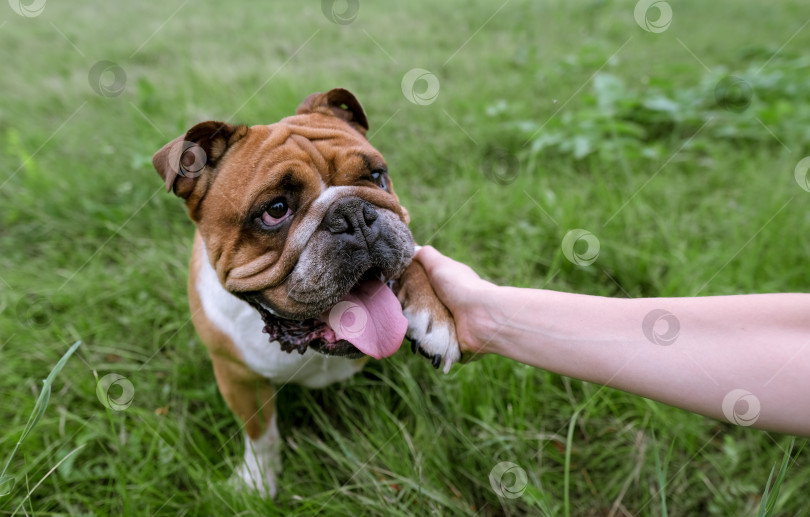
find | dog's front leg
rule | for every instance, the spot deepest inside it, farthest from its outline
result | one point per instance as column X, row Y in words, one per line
column 252, row 399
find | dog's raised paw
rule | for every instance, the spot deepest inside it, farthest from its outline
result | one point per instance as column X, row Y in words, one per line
column 431, row 327
column 432, row 338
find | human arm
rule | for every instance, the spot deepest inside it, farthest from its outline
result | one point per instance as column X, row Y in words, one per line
column 757, row 343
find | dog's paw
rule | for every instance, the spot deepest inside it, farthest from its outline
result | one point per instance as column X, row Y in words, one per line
column 261, row 462
column 436, row 340
column 251, row 477
column 431, row 327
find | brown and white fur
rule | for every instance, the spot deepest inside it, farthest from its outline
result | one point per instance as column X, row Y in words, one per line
column 320, row 162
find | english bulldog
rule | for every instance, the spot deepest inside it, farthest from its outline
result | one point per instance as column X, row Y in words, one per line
column 301, row 264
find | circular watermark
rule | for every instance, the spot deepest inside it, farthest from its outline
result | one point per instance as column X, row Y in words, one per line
column 107, row 79
column 104, row 387
column 30, row 10
column 642, row 15
column 800, row 173
column 501, row 169
column 430, row 91
column 587, row 256
column 651, row 326
column 508, row 480
column 733, row 94
column 741, row 407
column 192, row 159
column 34, row 311
column 340, row 12
column 348, row 320
column 501, row 175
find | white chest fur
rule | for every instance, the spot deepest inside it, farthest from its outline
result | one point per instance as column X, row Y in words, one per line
column 240, row 322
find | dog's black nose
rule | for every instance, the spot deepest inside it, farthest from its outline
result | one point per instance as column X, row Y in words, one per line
column 353, row 218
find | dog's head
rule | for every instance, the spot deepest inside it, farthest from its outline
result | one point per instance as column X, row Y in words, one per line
column 300, row 219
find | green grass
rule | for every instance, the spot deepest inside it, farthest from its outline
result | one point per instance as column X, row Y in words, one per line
column 92, row 250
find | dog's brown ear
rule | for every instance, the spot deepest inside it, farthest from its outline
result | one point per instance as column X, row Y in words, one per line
column 338, row 102
column 184, row 160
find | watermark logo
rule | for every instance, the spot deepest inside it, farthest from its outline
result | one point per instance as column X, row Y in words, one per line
column 348, row 320
column 654, row 320
column 30, row 10
column 501, row 170
column 741, row 407
column 428, row 93
column 733, row 94
column 508, row 480
column 107, row 79
column 34, row 311
column 106, row 393
column 501, row 176
column 584, row 257
column 656, row 25
column 800, row 173
column 192, row 159
column 338, row 16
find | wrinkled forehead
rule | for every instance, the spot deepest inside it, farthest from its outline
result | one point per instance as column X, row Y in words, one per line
column 307, row 153
column 329, row 146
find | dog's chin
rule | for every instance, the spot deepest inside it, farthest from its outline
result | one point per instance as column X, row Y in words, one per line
column 307, row 329
column 299, row 335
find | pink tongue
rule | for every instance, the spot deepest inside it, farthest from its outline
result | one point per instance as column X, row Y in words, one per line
column 370, row 318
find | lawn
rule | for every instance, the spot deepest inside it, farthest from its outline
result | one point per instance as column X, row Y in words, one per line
column 675, row 145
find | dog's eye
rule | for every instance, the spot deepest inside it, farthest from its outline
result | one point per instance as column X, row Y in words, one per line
column 276, row 212
column 378, row 177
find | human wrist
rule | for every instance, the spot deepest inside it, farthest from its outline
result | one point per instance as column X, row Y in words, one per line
column 512, row 320
column 479, row 334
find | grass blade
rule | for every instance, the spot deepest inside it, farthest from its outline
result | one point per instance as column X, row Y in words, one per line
column 68, row 455
column 7, row 482
column 661, row 475
column 764, row 500
column 569, row 443
column 767, row 505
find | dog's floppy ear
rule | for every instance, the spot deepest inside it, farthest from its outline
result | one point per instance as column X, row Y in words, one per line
column 187, row 158
column 338, row 102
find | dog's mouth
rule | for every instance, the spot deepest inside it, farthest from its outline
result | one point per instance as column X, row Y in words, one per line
column 368, row 320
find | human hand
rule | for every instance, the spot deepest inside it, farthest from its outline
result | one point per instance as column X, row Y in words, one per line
column 464, row 293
